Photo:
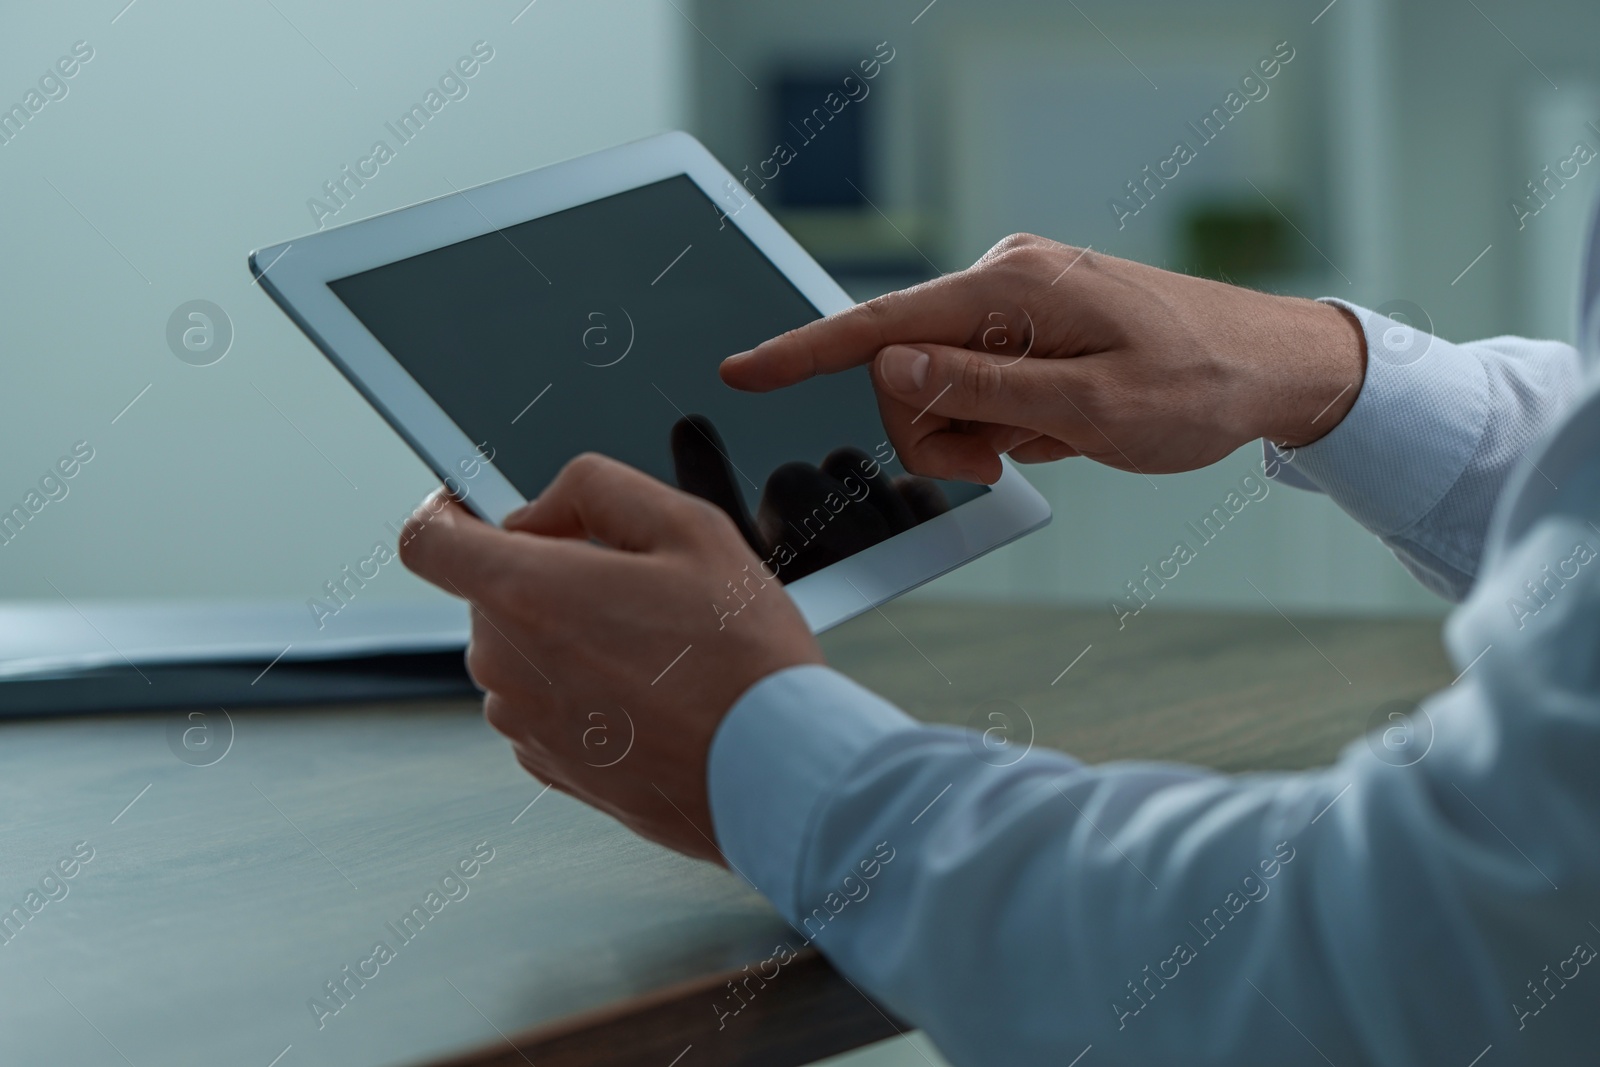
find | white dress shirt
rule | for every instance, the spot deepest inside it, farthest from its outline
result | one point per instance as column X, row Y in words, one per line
column 1432, row 897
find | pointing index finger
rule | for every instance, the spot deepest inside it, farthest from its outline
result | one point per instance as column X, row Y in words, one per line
column 944, row 311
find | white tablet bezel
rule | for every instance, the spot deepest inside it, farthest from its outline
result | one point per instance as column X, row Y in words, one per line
column 296, row 275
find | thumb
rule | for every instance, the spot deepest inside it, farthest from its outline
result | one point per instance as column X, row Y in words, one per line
column 959, row 383
column 598, row 498
column 447, row 545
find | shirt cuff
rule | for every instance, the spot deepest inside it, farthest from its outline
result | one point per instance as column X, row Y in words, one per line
column 1278, row 464
column 1413, row 429
column 781, row 749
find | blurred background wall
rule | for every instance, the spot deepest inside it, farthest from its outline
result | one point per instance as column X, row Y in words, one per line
column 196, row 133
column 1380, row 164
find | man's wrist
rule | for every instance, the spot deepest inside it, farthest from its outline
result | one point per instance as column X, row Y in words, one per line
column 1318, row 361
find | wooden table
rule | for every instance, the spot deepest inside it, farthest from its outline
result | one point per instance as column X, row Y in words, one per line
column 221, row 899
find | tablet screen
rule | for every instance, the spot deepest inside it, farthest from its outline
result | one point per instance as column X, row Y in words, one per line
column 600, row 328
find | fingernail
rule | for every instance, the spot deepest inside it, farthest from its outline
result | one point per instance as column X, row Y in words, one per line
column 737, row 357
column 905, row 370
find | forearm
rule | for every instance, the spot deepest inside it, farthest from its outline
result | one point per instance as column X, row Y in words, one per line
column 1425, row 449
column 1017, row 903
column 1366, row 913
column 1036, row 910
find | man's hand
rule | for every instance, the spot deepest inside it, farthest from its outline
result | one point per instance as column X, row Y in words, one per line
column 1044, row 351
column 605, row 639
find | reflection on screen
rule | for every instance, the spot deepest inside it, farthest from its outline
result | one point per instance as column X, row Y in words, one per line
column 600, row 328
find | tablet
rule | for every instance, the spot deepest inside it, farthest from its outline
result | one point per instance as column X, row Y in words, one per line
column 586, row 306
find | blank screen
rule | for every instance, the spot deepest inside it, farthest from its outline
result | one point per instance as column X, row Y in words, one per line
column 600, row 328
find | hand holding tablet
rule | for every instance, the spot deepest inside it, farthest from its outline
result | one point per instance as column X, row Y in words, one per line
column 598, row 642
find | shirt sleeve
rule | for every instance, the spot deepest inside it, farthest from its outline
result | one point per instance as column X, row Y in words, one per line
column 1429, row 896
column 1422, row 456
